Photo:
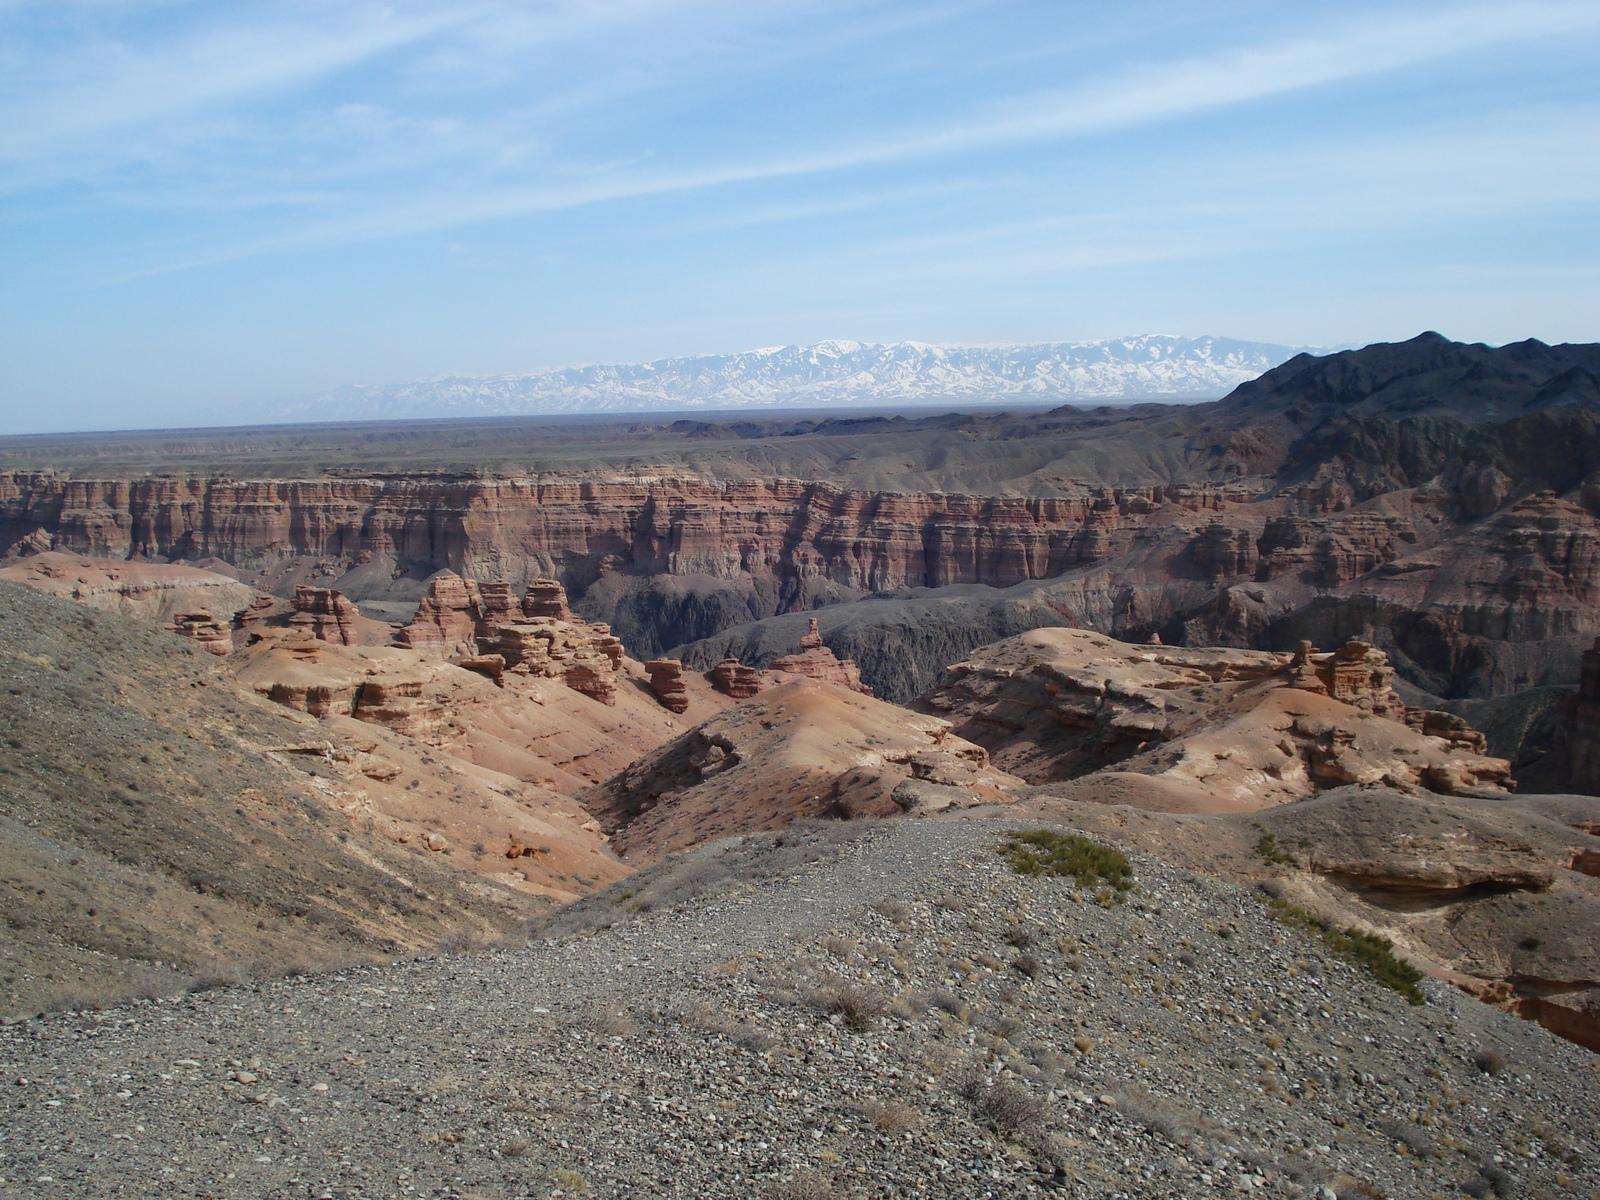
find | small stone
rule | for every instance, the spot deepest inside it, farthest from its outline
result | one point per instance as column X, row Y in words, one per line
column 244, row 1077
column 319, row 1087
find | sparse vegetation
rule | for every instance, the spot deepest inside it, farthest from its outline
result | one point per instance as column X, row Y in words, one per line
column 1490, row 1062
column 1373, row 954
column 1068, row 856
column 1267, row 848
column 461, row 941
column 571, row 1180
column 802, row 1187
column 894, row 910
column 892, row 1117
column 859, row 1007
column 1005, row 1108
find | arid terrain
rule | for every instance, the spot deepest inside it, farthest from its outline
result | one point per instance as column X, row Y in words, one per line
column 626, row 807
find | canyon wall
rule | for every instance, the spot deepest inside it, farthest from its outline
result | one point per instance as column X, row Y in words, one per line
column 1468, row 604
column 747, row 550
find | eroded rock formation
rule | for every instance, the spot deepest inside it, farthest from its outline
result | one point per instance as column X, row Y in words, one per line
column 809, row 660
column 812, row 660
column 1203, row 729
column 666, row 681
column 210, row 634
column 804, row 748
column 446, row 621
column 325, row 614
column 733, row 678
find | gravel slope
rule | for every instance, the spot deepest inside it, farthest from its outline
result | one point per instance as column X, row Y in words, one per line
column 1182, row 1043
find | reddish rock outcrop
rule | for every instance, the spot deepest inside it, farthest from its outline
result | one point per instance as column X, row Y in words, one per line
column 666, row 681
column 1356, row 675
column 732, row 678
column 813, row 660
column 248, row 620
column 205, row 631
column 326, row 614
column 804, row 748
column 446, row 622
column 497, row 605
column 1203, row 730
column 546, row 598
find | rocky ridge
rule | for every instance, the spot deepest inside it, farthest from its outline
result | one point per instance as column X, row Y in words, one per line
column 1023, row 1040
column 159, row 826
column 806, row 748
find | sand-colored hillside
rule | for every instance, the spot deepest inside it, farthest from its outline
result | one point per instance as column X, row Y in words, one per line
column 1202, row 730
column 806, row 748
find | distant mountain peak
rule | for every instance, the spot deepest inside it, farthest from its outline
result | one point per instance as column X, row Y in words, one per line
column 835, row 372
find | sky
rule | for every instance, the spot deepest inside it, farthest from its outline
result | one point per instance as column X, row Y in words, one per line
column 207, row 204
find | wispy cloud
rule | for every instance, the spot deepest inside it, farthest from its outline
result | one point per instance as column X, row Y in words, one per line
column 104, row 89
column 1138, row 96
column 1528, row 159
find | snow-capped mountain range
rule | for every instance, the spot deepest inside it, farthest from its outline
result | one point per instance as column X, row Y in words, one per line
column 826, row 374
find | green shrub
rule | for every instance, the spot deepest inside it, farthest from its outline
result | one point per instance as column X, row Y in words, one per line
column 1068, row 855
column 1267, row 847
column 1373, row 954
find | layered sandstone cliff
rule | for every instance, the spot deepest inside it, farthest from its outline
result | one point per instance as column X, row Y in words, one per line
column 1578, row 727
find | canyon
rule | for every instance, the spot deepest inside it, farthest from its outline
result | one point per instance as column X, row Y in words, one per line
column 1320, row 638
column 1435, row 499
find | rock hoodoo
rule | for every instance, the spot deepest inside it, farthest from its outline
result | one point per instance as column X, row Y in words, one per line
column 446, row 621
column 248, row 619
column 327, row 614
column 732, row 678
column 1355, row 674
column 546, row 598
column 809, row 660
column 204, row 630
column 813, row 660
column 666, row 680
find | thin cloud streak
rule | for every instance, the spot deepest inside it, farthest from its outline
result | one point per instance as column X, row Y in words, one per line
column 1432, row 177
column 1146, row 95
column 210, row 69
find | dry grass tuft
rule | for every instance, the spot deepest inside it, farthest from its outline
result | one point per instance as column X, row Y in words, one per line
column 1490, row 1062
column 859, row 1007
column 1005, row 1108
column 892, row 1117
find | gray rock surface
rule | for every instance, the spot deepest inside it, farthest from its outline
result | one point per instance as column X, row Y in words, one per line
column 990, row 1035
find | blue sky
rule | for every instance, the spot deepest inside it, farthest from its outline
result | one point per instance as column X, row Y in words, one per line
column 204, row 203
